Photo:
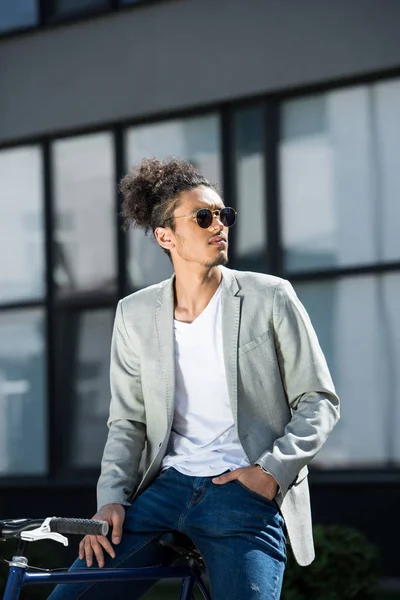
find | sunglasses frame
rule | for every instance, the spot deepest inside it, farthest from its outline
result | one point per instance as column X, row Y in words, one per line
column 215, row 213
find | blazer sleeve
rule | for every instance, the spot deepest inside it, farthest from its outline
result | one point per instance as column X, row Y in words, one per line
column 309, row 390
column 127, row 420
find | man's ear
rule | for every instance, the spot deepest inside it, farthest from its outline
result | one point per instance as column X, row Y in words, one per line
column 164, row 237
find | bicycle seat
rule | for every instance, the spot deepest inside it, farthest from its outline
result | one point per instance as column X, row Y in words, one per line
column 183, row 547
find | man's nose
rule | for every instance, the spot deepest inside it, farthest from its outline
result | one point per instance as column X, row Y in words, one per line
column 216, row 222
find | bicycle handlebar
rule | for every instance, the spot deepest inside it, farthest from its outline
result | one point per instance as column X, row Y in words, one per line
column 78, row 526
column 13, row 528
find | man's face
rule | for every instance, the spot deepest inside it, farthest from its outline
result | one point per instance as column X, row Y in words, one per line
column 206, row 247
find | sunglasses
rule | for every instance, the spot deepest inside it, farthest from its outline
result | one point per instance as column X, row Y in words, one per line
column 204, row 217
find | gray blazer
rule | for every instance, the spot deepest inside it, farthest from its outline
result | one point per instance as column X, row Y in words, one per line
column 282, row 396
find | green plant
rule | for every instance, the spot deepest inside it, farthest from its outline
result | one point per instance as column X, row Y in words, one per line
column 346, row 567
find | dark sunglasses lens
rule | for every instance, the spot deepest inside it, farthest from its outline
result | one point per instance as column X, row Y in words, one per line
column 228, row 216
column 204, row 218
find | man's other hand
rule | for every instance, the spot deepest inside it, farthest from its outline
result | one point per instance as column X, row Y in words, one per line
column 114, row 514
column 252, row 478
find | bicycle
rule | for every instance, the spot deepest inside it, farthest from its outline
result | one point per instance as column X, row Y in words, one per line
column 53, row 528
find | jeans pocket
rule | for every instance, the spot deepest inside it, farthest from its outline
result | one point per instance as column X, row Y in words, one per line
column 162, row 473
column 257, row 495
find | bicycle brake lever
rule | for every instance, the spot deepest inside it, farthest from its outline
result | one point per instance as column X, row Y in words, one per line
column 43, row 533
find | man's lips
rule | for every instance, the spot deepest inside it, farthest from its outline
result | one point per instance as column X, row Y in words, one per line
column 218, row 240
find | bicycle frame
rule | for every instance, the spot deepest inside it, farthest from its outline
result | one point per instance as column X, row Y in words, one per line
column 19, row 577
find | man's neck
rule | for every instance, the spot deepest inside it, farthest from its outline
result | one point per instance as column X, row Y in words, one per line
column 193, row 291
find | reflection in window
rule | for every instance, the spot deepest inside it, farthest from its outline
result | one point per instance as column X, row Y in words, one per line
column 22, row 393
column 84, row 235
column 21, row 225
column 16, row 14
column 357, row 322
column 82, row 376
column 195, row 140
column 340, row 180
column 251, row 224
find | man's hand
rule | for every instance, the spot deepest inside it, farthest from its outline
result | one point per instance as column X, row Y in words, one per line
column 114, row 514
column 253, row 478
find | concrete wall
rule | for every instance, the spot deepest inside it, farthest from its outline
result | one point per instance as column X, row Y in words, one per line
column 182, row 53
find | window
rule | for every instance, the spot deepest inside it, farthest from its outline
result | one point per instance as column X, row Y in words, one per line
column 83, row 341
column 85, row 215
column 340, row 184
column 21, row 225
column 340, row 180
column 196, row 140
column 357, row 321
column 23, row 422
column 251, row 226
column 17, row 14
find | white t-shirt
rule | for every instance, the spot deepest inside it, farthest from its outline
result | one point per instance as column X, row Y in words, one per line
column 203, row 439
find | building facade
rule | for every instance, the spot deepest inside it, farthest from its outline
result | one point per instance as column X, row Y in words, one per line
column 293, row 108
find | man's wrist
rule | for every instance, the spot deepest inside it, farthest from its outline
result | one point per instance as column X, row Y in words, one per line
column 270, row 474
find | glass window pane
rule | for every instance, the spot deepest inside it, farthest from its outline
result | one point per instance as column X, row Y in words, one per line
column 251, row 226
column 15, row 14
column 196, row 140
column 357, row 321
column 83, row 391
column 386, row 116
column 339, row 177
column 85, row 214
column 21, row 225
column 23, row 406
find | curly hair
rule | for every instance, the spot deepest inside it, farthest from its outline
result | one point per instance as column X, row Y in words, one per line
column 151, row 191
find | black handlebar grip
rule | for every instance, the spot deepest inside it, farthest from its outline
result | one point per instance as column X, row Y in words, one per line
column 78, row 526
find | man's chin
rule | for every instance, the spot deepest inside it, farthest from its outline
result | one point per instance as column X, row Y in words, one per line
column 220, row 260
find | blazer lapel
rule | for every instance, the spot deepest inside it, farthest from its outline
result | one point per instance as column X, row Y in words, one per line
column 230, row 333
column 164, row 321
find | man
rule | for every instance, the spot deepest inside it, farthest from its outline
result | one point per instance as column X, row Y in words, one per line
column 218, row 374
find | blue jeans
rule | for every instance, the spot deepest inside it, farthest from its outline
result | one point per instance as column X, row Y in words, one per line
column 239, row 533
